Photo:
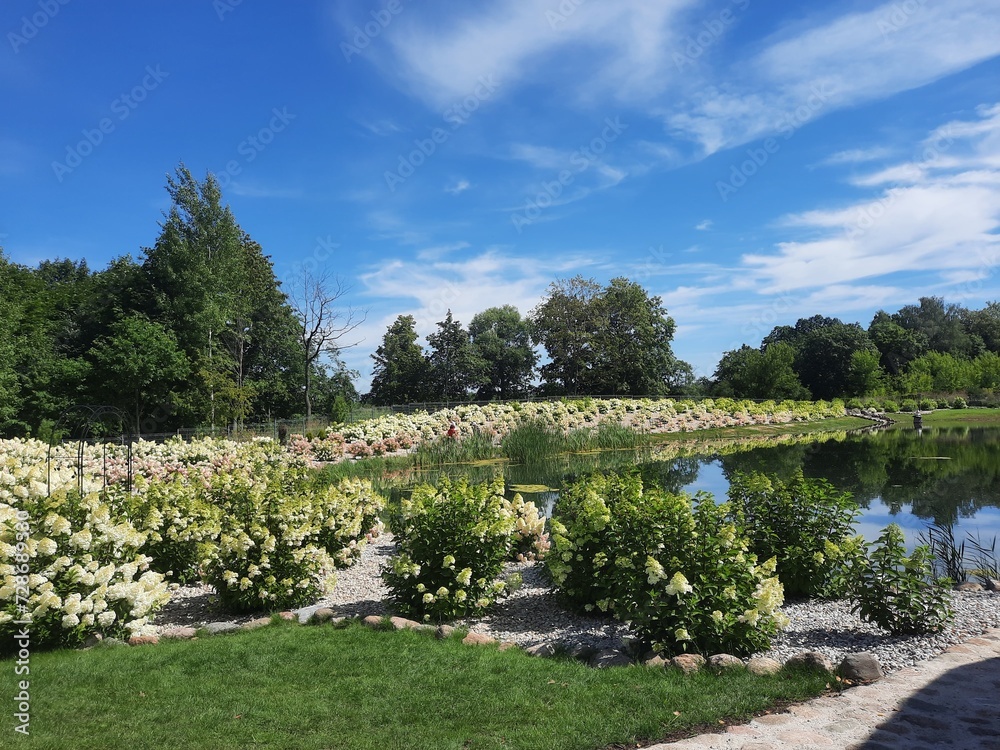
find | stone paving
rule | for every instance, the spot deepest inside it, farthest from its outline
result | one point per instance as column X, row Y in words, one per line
column 950, row 701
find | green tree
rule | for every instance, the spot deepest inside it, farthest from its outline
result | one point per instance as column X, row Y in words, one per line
column 502, row 340
column 825, row 357
column 401, row 370
column 940, row 325
column 565, row 323
column 752, row 373
column 138, row 365
column 984, row 325
column 897, row 346
column 455, row 366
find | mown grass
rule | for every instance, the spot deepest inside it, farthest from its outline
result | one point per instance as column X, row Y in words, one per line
column 975, row 416
column 289, row 686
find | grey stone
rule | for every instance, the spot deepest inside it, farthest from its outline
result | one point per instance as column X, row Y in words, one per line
column 654, row 660
column 541, row 649
column 214, row 628
column 581, row 651
column 323, row 614
column 993, row 585
column 811, row 659
column 863, row 667
column 92, row 640
column 720, row 662
column 444, row 631
column 609, row 657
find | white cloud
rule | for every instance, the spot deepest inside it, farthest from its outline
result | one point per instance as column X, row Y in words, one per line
column 459, row 186
column 703, row 226
column 858, row 155
column 941, row 215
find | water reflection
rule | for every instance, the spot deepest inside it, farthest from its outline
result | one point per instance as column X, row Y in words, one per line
column 899, row 475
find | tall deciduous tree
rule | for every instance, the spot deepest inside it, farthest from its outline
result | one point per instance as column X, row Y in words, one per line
column 138, row 366
column 401, row 370
column 751, row 373
column 324, row 321
column 502, row 340
column 565, row 323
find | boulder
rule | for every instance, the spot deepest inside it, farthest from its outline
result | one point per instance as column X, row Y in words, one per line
column 609, row 657
column 143, row 640
column 478, row 639
column 812, row 660
column 288, row 616
column 372, row 621
column 581, row 651
column 508, row 645
column 401, row 623
column 541, row 649
column 654, row 660
column 214, row 628
column 92, row 640
column 323, row 614
column 969, row 586
column 762, row 665
column 180, row 634
column 862, row 667
column 260, row 622
column 444, row 631
column 721, row 662
column 688, row 663
column 993, row 585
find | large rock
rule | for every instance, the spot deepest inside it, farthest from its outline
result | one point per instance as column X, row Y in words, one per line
column 323, row 614
column 993, row 585
column 863, row 667
column 372, row 621
column 444, row 631
column 260, row 622
column 721, row 662
column 478, row 639
column 688, row 663
column 609, row 657
column 652, row 659
column 180, row 634
column 762, row 665
column 214, row 628
column 969, row 586
column 143, row 640
column 541, row 649
column 401, row 623
column 812, row 660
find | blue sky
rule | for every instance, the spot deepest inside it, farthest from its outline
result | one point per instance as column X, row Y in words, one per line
column 750, row 162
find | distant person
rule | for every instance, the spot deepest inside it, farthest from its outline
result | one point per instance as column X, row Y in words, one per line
column 452, row 431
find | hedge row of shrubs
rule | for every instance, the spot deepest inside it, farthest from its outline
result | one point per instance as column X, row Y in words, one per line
column 687, row 573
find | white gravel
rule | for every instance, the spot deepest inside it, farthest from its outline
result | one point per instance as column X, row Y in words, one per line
column 533, row 614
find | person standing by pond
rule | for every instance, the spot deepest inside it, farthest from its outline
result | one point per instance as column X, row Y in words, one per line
column 452, row 431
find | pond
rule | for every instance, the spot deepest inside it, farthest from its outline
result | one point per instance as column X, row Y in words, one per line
column 947, row 475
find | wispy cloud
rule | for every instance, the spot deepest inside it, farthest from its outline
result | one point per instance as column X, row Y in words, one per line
column 459, row 186
column 703, row 226
column 858, row 155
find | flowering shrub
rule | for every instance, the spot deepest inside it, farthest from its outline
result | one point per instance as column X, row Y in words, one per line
column 75, row 569
column 181, row 527
column 898, row 591
column 347, row 514
column 268, row 555
column 452, row 544
column 806, row 524
column 677, row 570
column 531, row 542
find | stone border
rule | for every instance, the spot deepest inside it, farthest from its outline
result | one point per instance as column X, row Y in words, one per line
column 860, row 668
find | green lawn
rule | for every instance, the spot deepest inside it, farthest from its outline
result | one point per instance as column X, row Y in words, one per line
column 972, row 417
column 288, row 686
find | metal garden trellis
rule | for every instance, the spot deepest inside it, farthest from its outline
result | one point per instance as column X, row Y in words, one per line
column 82, row 422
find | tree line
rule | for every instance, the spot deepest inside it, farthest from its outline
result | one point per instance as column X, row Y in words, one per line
column 929, row 347
column 599, row 340
column 199, row 332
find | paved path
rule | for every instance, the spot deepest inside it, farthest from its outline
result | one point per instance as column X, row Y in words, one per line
column 950, row 701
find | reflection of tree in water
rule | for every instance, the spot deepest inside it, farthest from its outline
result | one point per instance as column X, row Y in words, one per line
column 942, row 474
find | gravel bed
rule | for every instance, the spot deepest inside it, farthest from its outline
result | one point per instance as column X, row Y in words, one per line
column 532, row 614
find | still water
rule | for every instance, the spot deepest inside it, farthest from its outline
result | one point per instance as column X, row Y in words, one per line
column 948, row 475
